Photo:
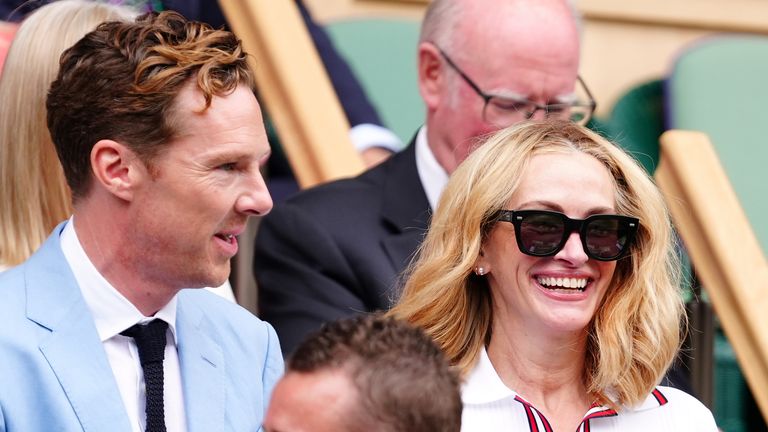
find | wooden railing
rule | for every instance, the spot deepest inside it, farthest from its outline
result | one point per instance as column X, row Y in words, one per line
column 722, row 246
column 295, row 89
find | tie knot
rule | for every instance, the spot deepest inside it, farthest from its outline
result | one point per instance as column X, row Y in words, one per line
column 150, row 340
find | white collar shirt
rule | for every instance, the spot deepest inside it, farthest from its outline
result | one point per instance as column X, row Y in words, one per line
column 489, row 406
column 113, row 313
column 432, row 175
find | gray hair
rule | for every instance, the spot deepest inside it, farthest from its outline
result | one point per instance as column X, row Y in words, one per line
column 441, row 15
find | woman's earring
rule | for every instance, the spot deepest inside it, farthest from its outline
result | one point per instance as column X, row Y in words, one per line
column 479, row 271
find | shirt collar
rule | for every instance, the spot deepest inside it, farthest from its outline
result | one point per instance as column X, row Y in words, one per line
column 112, row 312
column 483, row 386
column 433, row 177
column 654, row 400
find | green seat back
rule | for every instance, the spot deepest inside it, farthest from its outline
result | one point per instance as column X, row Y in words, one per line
column 382, row 54
column 637, row 121
column 720, row 87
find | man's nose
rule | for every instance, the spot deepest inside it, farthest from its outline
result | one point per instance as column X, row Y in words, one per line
column 255, row 199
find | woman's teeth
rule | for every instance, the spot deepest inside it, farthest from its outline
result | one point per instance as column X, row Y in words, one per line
column 562, row 283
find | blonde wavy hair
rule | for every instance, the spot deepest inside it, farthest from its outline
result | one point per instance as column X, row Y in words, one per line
column 636, row 331
column 33, row 191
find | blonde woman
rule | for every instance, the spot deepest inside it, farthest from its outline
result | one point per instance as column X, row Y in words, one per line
column 33, row 190
column 548, row 277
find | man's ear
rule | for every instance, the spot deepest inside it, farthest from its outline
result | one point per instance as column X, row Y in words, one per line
column 116, row 168
column 431, row 74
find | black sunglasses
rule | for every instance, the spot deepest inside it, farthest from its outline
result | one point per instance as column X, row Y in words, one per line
column 542, row 233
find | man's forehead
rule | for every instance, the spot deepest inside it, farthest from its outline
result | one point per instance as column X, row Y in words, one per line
column 528, row 29
column 190, row 99
column 518, row 37
column 520, row 16
column 319, row 401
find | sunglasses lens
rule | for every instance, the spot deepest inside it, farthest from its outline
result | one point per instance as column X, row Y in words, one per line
column 606, row 238
column 541, row 234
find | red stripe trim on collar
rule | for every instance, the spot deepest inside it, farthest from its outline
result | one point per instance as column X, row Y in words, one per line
column 660, row 398
column 602, row 413
column 529, row 413
column 544, row 421
column 531, row 419
column 529, row 410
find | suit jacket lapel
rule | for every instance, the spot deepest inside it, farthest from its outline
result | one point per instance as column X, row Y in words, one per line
column 70, row 342
column 405, row 208
column 202, row 370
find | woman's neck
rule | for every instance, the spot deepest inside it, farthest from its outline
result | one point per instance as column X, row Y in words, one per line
column 546, row 371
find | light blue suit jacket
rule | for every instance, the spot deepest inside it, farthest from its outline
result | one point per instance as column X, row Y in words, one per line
column 55, row 376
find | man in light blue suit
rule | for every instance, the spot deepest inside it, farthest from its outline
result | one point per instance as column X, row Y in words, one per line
column 161, row 140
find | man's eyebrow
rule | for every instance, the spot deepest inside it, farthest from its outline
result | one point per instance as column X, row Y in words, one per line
column 507, row 94
column 224, row 156
column 232, row 153
column 566, row 98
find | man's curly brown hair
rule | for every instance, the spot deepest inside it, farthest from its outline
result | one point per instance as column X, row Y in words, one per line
column 120, row 82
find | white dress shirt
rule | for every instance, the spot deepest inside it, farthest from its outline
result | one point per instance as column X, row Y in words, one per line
column 225, row 290
column 113, row 313
column 490, row 406
column 367, row 135
column 432, row 175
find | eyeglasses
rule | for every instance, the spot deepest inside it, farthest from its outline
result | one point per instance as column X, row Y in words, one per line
column 503, row 111
column 542, row 233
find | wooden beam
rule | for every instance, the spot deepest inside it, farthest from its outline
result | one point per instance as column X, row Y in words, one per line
column 722, row 247
column 295, row 89
column 749, row 16
column 739, row 16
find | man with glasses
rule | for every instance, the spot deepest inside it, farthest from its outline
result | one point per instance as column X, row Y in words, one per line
column 337, row 250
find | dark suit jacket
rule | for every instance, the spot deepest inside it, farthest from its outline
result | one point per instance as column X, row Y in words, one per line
column 336, row 250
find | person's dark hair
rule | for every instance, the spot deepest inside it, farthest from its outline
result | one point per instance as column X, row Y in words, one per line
column 402, row 377
column 120, row 82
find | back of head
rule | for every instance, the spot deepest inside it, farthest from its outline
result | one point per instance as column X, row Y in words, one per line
column 121, row 80
column 403, row 379
column 33, row 190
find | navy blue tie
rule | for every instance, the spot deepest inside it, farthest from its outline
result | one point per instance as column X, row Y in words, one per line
column 150, row 339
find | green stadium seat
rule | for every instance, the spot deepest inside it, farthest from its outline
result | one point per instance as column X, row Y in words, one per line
column 382, row 54
column 720, row 87
column 637, row 121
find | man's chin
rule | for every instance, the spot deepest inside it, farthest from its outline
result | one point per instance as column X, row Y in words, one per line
column 222, row 273
column 217, row 276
